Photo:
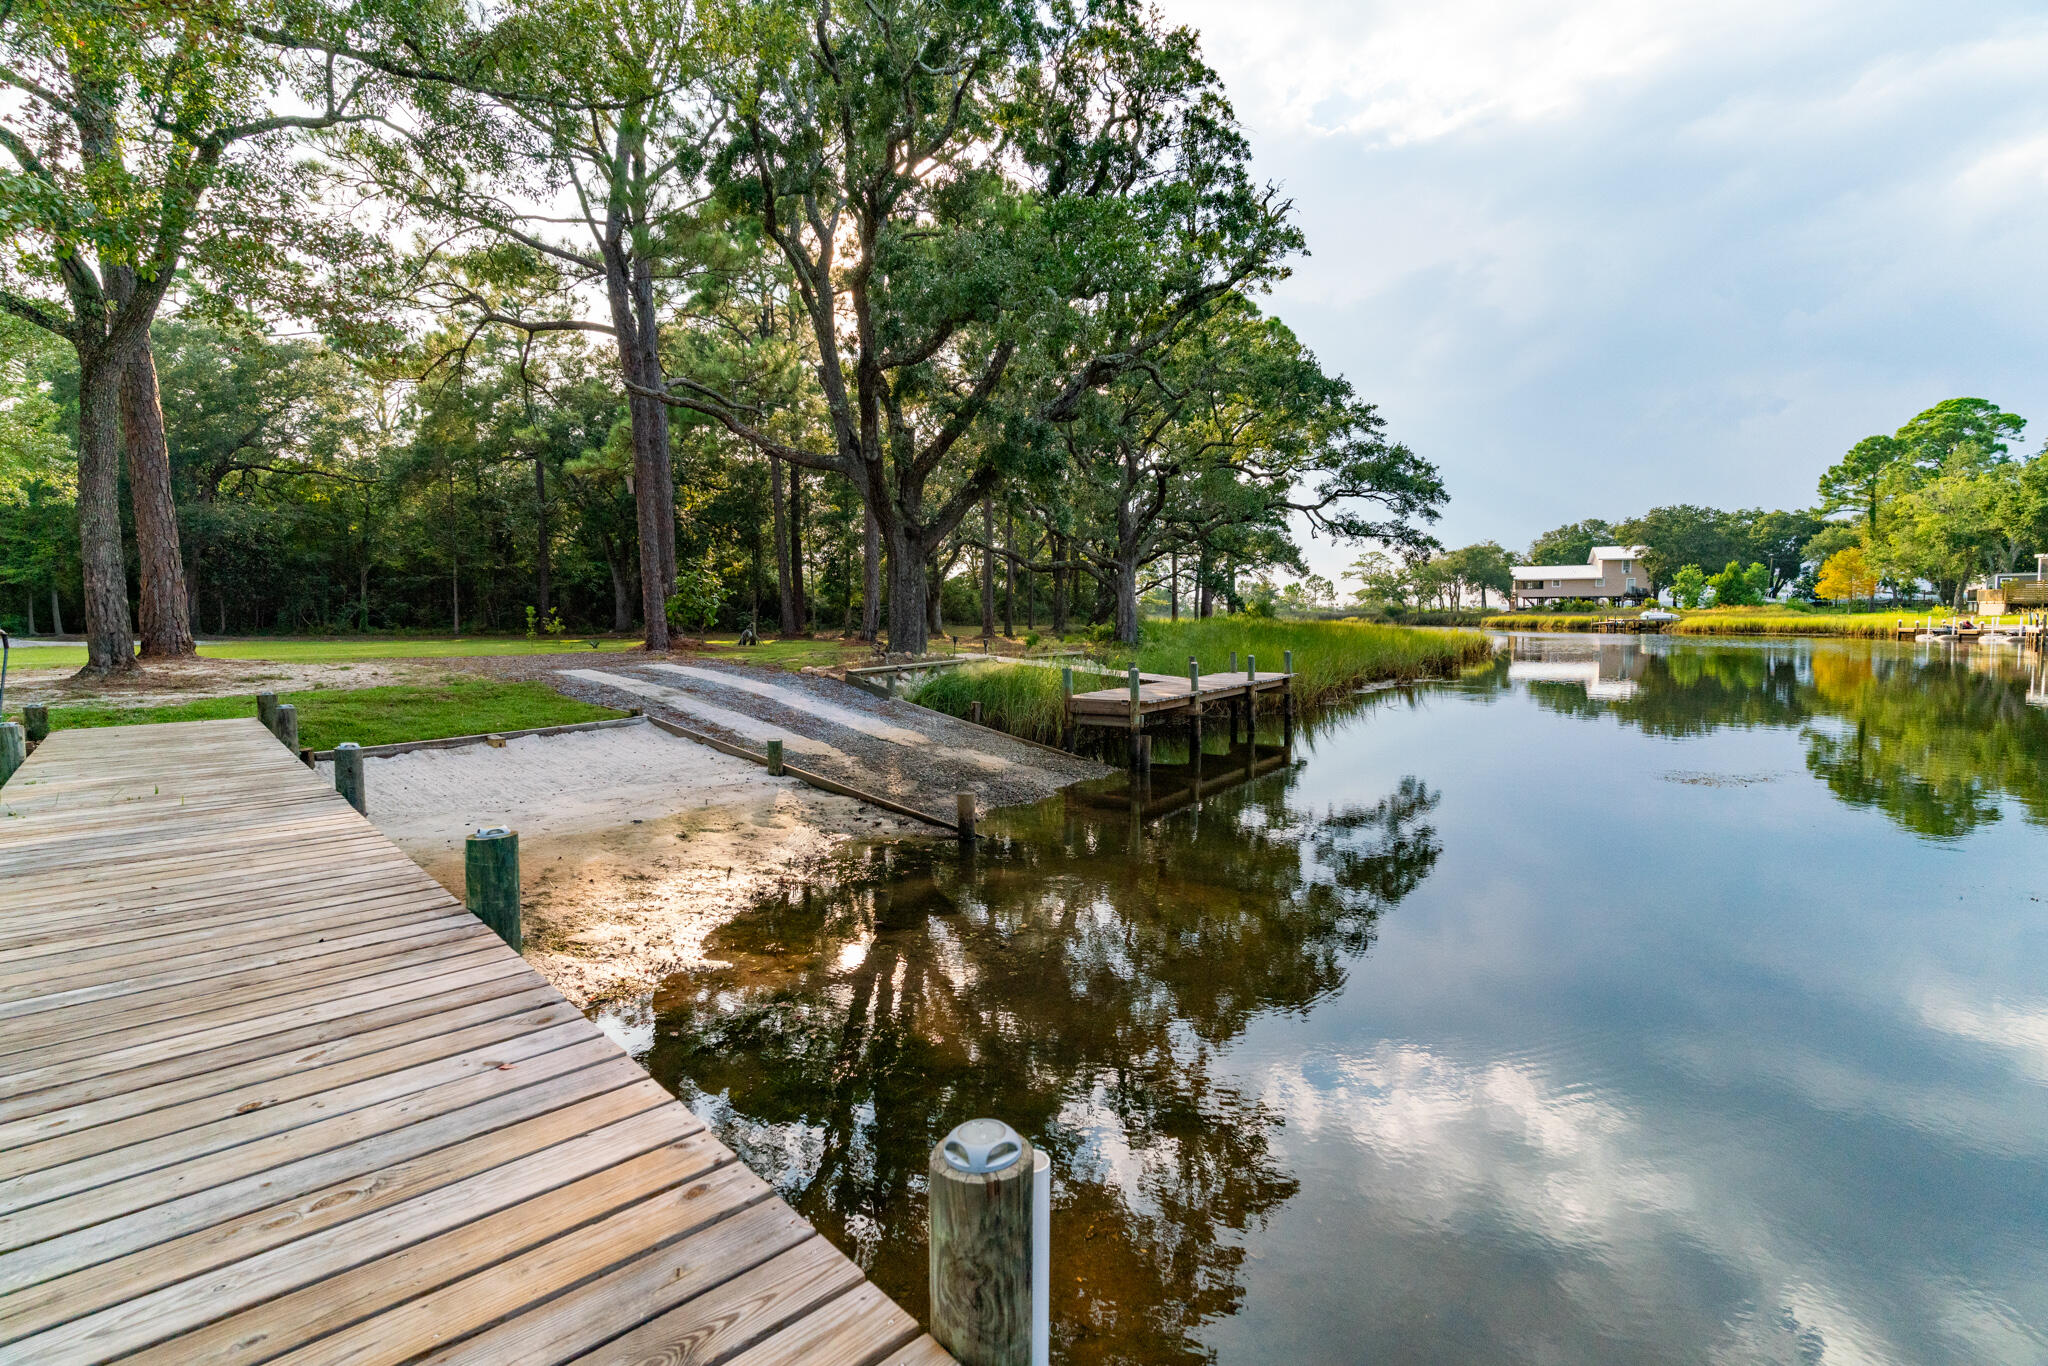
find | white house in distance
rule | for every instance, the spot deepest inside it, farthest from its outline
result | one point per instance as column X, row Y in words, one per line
column 1615, row 572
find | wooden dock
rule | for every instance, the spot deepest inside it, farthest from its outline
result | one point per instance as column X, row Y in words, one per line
column 268, row 1093
column 1165, row 696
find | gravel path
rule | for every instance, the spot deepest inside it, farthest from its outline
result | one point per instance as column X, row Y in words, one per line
column 883, row 745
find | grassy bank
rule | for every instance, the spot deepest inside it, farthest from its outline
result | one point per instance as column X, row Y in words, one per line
column 1739, row 621
column 1331, row 659
column 372, row 716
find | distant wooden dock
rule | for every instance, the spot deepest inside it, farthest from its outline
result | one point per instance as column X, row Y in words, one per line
column 267, row 1093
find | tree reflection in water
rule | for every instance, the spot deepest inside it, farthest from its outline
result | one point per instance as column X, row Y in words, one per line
column 1076, row 977
column 1937, row 738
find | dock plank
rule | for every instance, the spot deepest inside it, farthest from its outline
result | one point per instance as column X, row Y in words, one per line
column 267, row 1093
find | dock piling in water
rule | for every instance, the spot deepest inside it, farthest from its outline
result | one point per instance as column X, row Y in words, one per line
column 964, row 806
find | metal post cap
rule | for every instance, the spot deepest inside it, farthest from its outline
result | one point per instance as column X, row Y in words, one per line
column 982, row 1145
column 348, row 744
column 496, row 832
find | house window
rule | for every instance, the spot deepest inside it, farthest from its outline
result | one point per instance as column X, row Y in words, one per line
column 1631, row 583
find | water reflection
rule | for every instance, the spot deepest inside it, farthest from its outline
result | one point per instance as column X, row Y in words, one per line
column 1576, row 1011
column 1078, row 976
column 1937, row 737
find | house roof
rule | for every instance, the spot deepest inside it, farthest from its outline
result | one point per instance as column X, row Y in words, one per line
column 1590, row 570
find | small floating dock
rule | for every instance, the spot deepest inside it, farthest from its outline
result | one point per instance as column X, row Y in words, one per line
column 1628, row 626
column 267, row 1091
column 1148, row 701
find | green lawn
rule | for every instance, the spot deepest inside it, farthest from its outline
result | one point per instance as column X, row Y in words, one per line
column 372, row 716
column 343, row 649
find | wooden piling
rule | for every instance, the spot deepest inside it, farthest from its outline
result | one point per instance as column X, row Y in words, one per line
column 490, row 888
column 963, row 804
column 13, row 749
column 35, row 720
column 981, row 1179
column 266, row 710
column 974, row 712
column 348, row 775
column 285, row 726
column 775, row 758
column 1068, row 730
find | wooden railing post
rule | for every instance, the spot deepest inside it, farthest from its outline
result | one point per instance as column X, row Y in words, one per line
column 983, row 1177
column 490, row 887
column 348, row 776
column 13, row 749
column 286, row 726
column 266, row 710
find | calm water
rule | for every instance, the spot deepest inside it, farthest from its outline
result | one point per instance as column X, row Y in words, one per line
column 1628, row 1001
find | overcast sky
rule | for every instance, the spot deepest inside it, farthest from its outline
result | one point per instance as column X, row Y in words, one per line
column 1595, row 256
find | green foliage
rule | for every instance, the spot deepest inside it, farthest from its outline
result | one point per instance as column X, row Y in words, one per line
column 1735, row 586
column 698, row 596
column 373, row 716
column 1022, row 699
column 1572, row 544
column 1689, row 587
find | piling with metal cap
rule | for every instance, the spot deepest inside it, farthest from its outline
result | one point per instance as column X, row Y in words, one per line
column 286, row 726
column 13, row 749
column 982, row 1188
column 266, row 710
column 35, row 720
column 490, row 868
column 348, row 775
column 775, row 758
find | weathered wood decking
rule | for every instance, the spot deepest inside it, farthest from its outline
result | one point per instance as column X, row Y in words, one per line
column 268, row 1093
column 1166, row 693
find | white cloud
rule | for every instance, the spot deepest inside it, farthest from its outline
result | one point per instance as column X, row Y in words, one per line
column 1598, row 256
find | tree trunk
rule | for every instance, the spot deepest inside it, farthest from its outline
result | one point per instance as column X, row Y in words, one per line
column 785, row 586
column 908, row 625
column 1009, row 573
column 31, row 611
column 622, row 599
column 57, row 611
column 796, row 549
column 109, row 648
column 871, row 579
column 164, row 608
column 1173, row 589
column 540, row 544
column 1127, row 600
column 1059, row 586
column 935, row 596
column 988, row 568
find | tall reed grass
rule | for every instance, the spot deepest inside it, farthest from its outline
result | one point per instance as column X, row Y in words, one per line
column 1738, row 621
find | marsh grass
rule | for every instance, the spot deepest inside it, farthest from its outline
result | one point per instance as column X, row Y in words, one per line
column 1331, row 660
column 1022, row 699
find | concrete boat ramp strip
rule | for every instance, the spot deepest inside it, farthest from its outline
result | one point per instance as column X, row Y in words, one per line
column 906, row 752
